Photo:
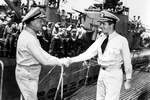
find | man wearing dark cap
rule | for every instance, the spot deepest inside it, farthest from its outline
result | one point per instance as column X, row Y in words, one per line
column 113, row 51
column 30, row 56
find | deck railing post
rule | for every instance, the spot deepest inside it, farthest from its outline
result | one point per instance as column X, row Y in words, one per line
column 1, row 80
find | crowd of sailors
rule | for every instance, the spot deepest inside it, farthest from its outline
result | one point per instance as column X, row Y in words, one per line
column 56, row 39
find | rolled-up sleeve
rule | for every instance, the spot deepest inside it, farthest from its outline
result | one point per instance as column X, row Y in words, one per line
column 127, row 59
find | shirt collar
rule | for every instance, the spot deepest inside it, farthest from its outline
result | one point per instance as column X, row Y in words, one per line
column 29, row 30
column 112, row 35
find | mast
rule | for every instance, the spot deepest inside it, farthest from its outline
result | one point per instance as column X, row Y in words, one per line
column 52, row 12
column 15, row 5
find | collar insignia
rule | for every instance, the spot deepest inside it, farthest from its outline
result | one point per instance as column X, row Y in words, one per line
column 102, row 15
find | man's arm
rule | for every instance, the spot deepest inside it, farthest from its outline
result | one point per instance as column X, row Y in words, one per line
column 127, row 59
column 127, row 63
column 42, row 56
column 88, row 54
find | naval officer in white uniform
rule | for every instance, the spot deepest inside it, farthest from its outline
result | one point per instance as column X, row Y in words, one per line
column 113, row 51
column 30, row 55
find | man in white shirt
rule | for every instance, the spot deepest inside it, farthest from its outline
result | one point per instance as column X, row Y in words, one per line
column 30, row 55
column 115, row 54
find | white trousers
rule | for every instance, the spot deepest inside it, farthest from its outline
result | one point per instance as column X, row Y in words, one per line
column 28, row 89
column 109, row 84
column 28, row 86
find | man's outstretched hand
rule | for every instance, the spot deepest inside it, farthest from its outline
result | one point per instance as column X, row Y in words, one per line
column 65, row 61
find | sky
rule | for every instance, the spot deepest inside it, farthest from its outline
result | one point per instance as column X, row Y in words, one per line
column 137, row 7
column 140, row 8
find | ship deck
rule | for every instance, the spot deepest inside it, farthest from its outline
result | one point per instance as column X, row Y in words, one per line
column 140, row 89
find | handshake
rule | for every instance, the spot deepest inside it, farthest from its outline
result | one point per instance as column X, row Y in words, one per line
column 65, row 61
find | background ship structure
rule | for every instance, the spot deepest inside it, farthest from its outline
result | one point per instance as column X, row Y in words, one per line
column 79, row 80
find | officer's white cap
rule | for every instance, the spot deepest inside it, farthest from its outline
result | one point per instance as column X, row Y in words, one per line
column 35, row 12
column 107, row 16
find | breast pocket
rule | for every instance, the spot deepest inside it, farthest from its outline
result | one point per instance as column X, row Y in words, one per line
column 114, row 52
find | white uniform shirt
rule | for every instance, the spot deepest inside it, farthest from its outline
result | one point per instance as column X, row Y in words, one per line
column 116, row 53
column 30, row 55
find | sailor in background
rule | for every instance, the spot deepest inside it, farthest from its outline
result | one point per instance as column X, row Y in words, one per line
column 30, row 55
column 113, row 51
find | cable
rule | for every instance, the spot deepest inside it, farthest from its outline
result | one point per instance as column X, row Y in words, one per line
column 46, row 75
column 60, row 84
column 87, row 75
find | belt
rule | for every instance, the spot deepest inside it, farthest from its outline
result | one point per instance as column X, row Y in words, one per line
column 107, row 68
column 103, row 67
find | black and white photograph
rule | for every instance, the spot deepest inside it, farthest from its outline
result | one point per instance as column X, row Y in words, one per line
column 74, row 50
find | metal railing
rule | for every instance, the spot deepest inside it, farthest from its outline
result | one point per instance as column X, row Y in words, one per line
column 1, row 80
column 60, row 83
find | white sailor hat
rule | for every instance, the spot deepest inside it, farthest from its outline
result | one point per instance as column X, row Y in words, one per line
column 74, row 30
column 57, row 25
column 35, row 12
column 107, row 16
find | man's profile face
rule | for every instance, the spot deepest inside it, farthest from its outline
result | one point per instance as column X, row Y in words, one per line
column 105, row 27
column 38, row 24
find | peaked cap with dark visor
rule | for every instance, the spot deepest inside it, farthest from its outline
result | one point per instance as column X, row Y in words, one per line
column 33, row 14
column 106, row 16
